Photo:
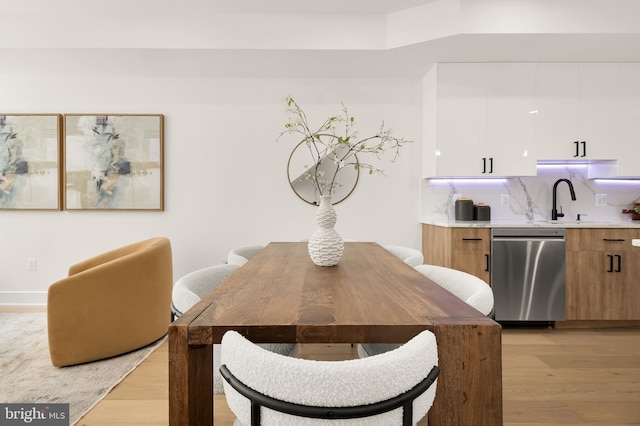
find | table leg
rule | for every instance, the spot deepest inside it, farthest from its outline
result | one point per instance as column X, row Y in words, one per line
column 190, row 380
column 469, row 390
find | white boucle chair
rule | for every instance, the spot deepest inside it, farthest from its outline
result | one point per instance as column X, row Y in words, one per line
column 408, row 255
column 241, row 255
column 286, row 391
column 471, row 289
column 191, row 288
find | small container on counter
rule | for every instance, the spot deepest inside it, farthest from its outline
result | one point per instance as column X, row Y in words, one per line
column 482, row 212
column 464, row 209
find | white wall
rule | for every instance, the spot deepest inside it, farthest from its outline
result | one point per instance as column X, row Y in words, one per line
column 225, row 175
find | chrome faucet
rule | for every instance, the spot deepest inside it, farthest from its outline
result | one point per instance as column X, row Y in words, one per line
column 554, row 211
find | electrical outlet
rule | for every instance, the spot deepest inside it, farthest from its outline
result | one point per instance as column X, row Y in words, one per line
column 601, row 200
column 32, row 264
column 504, row 199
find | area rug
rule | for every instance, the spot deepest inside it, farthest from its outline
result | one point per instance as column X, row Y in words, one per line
column 27, row 376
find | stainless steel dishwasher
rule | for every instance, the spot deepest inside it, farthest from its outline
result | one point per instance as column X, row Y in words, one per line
column 528, row 274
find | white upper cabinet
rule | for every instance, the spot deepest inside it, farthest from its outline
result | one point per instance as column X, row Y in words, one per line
column 461, row 119
column 511, row 118
column 577, row 111
column 484, row 125
column 499, row 119
column 628, row 143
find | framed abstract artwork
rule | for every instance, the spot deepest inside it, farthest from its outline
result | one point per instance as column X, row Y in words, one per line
column 30, row 161
column 114, row 162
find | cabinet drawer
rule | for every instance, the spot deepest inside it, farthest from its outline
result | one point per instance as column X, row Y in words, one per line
column 600, row 239
column 470, row 239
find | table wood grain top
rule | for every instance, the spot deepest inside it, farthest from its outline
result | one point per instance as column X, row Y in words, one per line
column 370, row 296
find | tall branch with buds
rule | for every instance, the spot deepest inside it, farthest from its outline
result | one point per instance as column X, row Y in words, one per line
column 338, row 141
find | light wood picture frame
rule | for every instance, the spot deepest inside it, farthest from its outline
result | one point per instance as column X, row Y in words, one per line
column 114, row 162
column 30, row 146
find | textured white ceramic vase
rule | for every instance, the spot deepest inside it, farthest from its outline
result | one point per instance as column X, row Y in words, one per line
column 325, row 244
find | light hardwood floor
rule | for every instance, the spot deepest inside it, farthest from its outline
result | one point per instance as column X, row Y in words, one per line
column 550, row 377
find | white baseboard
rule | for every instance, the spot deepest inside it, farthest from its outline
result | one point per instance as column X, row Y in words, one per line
column 23, row 298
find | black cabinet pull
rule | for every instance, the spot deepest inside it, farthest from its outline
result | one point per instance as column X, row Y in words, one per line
column 614, row 240
column 619, row 269
column 491, row 165
column 577, row 144
column 484, row 165
column 610, row 263
column 487, row 258
column 472, row 239
column 584, row 148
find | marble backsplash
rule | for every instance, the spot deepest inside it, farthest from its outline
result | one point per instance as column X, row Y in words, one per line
column 528, row 199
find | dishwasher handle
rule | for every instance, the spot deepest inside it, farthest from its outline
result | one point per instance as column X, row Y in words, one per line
column 560, row 239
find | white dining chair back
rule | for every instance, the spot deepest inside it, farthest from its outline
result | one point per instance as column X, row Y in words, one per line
column 473, row 290
column 469, row 288
column 409, row 372
column 408, row 255
column 241, row 255
column 191, row 288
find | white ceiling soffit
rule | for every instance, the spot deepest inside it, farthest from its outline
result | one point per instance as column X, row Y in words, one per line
column 346, row 7
column 411, row 61
column 275, row 7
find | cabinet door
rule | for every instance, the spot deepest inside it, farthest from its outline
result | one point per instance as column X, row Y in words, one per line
column 511, row 118
column 602, row 270
column 628, row 143
column 597, row 110
column 461, row 124
column 623, row 296
column 577, row 111
column 557, row 106
column 587, row 280
column 470, row 249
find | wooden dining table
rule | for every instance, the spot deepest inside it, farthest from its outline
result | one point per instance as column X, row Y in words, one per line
column 370, row 296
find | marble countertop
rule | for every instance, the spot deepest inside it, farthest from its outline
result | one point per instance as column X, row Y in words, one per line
column 535, row 224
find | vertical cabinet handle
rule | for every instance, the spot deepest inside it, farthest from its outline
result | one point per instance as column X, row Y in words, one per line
column 619, row 258
column 484, row 165
column 610, row 263
column 584, row 148
column 487, row 258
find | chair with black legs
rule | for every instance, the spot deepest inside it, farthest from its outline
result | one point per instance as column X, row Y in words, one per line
column 394, row 388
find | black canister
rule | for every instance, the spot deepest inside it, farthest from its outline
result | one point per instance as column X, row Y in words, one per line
column 482, row 212
column 464, row 209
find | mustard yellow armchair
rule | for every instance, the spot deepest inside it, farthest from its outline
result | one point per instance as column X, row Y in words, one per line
column 111, row 304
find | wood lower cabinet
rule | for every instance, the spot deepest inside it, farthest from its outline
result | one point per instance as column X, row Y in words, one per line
column 465, row 249
column 603, row 271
